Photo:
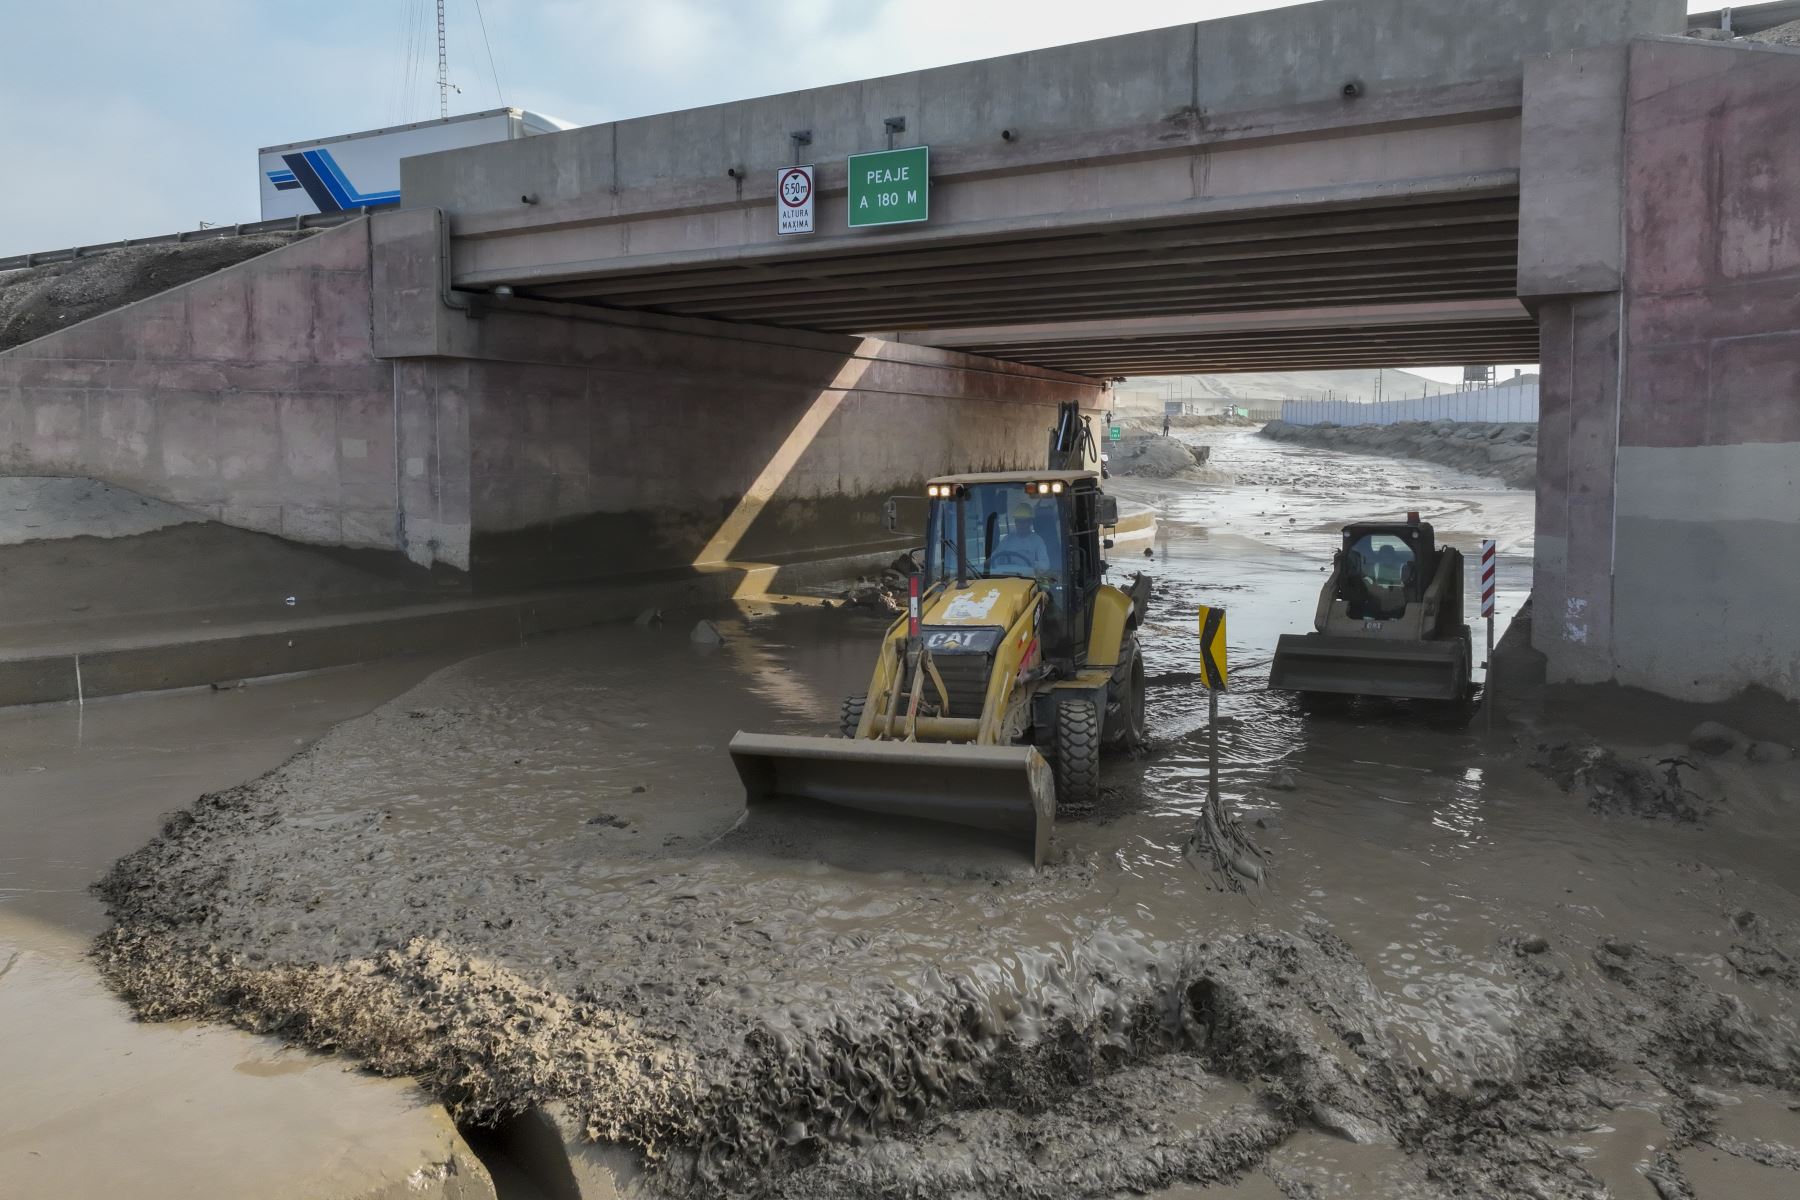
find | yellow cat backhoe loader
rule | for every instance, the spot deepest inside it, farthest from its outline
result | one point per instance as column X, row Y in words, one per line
column 992, row 698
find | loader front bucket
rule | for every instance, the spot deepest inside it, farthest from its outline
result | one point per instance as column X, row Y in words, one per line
column 1007, row 789
column 1353, row 666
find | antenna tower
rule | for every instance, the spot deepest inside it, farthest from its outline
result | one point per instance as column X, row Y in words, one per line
column 443, row 66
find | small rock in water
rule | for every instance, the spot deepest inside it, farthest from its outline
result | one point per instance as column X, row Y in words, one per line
column 1283, row 779
column 1534, row 944
column 1349, row 1126
column 1710, row 737
column 1769, row 752
column 649, row 617
column 706, row 634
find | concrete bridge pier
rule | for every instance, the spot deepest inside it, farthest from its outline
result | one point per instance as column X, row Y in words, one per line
column 1660, row 251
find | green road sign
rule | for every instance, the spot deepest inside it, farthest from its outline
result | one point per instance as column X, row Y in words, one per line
column 1115, row 433
column 890, row 187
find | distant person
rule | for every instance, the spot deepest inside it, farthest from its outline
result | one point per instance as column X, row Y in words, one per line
column 1165, row 424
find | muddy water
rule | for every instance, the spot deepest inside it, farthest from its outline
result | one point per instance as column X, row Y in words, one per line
column 530, row 879
column 93, row 1103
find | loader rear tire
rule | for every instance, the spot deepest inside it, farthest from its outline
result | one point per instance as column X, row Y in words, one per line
column 850, row 715
column 1077, row 747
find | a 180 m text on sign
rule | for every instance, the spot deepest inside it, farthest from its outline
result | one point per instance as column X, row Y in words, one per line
column 890, row 187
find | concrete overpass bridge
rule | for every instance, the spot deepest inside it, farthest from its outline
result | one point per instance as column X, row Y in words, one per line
column 1188, row 196
column 591, row 352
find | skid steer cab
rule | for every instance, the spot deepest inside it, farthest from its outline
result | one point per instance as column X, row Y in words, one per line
column 1389, row 621
column 991, row 700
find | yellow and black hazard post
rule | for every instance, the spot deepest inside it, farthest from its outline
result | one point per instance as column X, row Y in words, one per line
column 1212, row 672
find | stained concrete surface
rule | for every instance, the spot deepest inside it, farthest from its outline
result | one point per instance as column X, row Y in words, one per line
column 528, row 880
column 1669, row 357
column 96, row 1104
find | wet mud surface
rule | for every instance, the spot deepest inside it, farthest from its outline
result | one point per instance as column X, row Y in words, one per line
column 530, row 880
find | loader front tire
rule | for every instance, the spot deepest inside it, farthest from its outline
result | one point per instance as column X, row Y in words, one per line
column 1077, row 748
column 850, row 715
column 1125, row 729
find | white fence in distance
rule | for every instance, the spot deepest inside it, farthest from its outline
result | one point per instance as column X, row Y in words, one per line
column 1518, row 402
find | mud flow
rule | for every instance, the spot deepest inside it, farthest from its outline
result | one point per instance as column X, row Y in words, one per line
column 1397, row 959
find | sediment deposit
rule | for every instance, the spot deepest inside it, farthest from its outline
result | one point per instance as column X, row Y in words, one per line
column 530, row 881
column 1507, row 452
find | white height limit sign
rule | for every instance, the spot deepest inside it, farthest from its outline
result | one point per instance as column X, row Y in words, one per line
column 794, row 200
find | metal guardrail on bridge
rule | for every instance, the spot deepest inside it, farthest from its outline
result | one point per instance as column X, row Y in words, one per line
column 1746, row 19
column 296, row 224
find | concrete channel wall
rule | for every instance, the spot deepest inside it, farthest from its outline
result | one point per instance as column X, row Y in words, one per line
column 250, row 396
column 610, row 441
column 331, row 393
column 1668, row 523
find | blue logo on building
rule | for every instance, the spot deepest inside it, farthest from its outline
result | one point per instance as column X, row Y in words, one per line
column 325, row 182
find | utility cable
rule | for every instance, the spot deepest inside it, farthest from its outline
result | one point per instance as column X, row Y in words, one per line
column 498, row 94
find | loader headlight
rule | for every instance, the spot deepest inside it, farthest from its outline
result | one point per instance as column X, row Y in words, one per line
column 1046, row 487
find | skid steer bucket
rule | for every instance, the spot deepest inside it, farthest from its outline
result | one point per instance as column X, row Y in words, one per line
column 1313, row 662
column 1007, row 789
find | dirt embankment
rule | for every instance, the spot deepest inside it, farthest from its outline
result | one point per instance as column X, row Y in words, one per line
column 1152, row 456
column 40, row 300
column 1146, row 453
column 1506, row 451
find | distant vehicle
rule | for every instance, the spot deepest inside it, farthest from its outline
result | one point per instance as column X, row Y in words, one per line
column 362, row 170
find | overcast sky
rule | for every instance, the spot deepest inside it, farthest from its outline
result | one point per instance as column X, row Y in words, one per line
column 132, row 117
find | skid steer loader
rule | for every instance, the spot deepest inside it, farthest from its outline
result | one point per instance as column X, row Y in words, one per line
column 992, row 697
column 1389, row 621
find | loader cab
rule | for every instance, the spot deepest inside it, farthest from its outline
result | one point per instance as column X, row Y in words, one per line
column 1043, row 526
column 1384, row 567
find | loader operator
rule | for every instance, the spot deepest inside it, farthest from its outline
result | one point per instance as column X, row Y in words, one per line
column 1023, row 543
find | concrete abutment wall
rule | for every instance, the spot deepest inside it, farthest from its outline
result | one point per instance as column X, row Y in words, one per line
column 251, row 396
column 596, row 441
column 330, row 393
column 1669, row 307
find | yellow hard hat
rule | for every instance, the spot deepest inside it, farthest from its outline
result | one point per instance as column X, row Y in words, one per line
column 1021, row 511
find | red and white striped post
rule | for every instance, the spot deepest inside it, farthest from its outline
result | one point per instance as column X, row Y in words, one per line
column 1487, row 610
